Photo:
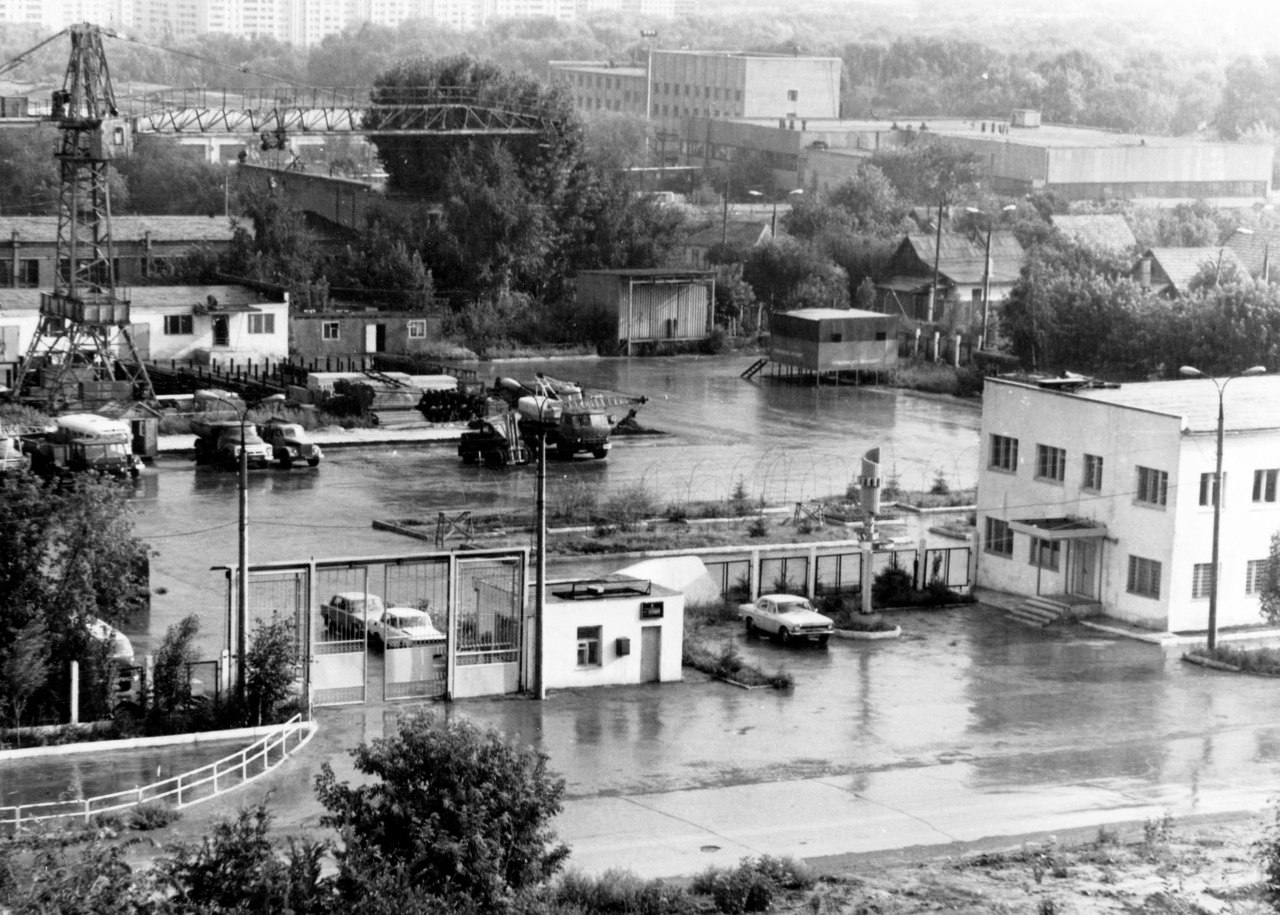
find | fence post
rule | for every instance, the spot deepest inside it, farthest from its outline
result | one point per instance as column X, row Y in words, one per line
column 867, row 578
column 75, row 692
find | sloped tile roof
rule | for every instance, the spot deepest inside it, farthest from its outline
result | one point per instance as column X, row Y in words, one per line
column 962, row 259
column 1180, row 265
column 737, row 233
column 1253, row 248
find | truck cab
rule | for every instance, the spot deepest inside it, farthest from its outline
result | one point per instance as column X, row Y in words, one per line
column 289, row 443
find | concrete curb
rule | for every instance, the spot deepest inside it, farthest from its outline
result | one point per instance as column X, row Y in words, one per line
column 134, row 743
column 866, row 636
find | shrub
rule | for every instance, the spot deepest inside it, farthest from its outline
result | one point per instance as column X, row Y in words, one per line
column 940, row 486
column 621, row 892
column 631, row 506
column 1267, row 852
column 740, row 502
column 152, row 815
column 753, row 884
column 893, row 586
column 574, row 503
column 456, row 805
column 758, row 527
column 1250, row 660
column 677, row 514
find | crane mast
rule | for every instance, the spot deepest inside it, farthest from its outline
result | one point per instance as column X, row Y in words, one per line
column 83, row 333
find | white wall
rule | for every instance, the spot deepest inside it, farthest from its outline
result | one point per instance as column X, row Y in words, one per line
column 617, row 618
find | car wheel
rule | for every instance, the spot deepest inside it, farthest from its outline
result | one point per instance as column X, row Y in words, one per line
column 286, row 461
column 822, row 640
column 600, row 454
column 752, row 631
column 313, row 462
column 784, row 636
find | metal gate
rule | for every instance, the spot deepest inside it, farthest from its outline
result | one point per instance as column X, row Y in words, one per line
column 489, row 605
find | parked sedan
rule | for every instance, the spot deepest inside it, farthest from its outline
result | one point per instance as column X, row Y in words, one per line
column 400, row 627
column 347, row 615
column 786, row 618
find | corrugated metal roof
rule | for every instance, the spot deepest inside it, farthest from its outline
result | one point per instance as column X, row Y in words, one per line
column 1108, row 231
column 129, row 228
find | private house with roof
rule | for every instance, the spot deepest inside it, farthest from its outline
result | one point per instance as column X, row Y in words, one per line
column 143, row 246
column 1103, row 231
column 739, row 235
column 1169, row 271
column 904, row 288
column 1257, row 250
column 1099, row 498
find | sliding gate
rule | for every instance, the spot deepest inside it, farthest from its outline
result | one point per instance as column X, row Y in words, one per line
column 466, row 608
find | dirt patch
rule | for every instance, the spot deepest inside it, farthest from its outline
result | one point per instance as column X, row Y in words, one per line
column 1157, row 867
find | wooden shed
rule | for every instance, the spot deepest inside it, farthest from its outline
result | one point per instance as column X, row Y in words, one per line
column 834, row 340
column 651, row 305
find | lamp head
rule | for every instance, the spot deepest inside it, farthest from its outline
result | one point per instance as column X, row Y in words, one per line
column 1255, row 370
column 1190, row 371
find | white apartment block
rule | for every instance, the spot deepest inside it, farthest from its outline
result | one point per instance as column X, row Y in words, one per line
column 740, row 84
column 1104, row 496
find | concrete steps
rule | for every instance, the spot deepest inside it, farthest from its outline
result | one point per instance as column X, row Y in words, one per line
column 1040, row 610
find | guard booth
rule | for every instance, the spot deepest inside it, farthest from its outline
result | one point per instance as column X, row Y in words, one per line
column 466, row 612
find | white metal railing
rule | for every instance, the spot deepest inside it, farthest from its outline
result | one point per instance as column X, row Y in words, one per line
column 183, row 790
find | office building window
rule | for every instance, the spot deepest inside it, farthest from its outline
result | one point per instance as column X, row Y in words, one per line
column 417, row 329
column 1144, row 577
column 1051, row 463
column 1004, row 453
column 1092, row 472
column 1264, row 485
column 1153, row 486
column 177, row 325
column 1201, row 580
column 793, row 95
column 1255, row 576
column 1208, row 490
column 262, row 324
column 588, row 646
column 999, row 539
column 1045, row 553
column 330, row 330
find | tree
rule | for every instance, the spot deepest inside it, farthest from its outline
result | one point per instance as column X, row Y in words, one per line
column 24, row 667
column 787, row 275
column 69, row 556
column 270, row 666
column 171, row 670
column 418, row 164
column 930, row 172
column 1269, row 587
column 163, row 178
column 454, row 805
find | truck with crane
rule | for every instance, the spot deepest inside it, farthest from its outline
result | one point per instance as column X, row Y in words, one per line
column 569, row 419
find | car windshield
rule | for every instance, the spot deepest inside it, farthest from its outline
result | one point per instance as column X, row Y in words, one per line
column 358, row 604
column 406, row 620
column 798, row 603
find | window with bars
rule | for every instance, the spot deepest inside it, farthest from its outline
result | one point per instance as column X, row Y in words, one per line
column 1004, row 453
column 999, row 539
column 1264, row 485
column 1208, row 489
column 1051, row 463
column 417, row 329
column 1092, row 472
column 1046, row 553
column 1144, row 577
column 1201, row 580
column 262, row 324
column 1255, row 575
column 1153, row 486
column 330, row 330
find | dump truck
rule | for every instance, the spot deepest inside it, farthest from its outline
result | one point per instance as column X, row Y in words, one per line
column 289, row 443
column 221, row 426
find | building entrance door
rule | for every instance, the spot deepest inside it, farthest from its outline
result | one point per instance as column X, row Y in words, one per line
column 1084, row 568
column 650, row 654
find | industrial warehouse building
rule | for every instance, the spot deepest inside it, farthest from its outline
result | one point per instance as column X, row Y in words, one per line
column 651, row 305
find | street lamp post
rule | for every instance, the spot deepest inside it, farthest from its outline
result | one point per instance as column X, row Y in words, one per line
column 242, row 571
column 1194, row 372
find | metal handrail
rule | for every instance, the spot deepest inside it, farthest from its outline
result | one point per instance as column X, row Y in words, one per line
column 185, row 789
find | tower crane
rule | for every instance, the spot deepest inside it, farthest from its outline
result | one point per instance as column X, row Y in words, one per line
column 83, row 328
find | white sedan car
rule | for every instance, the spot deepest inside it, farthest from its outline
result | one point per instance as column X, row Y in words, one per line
column 400, row 627
column 787, row 618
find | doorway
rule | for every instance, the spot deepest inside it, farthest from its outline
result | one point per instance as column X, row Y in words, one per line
column 650, row 654
column 221, row 331
column 375, row 338
column 1084, row 568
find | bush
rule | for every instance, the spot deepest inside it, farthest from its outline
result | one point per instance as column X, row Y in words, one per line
column 893, row 587
column 758, row 527
column 1267, row 852
column 454, row 805
column 574, row 503
column 1250, row 660
column 752, row 885
column 621, row 892
column 152, row 815
column 631, row 506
